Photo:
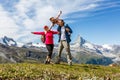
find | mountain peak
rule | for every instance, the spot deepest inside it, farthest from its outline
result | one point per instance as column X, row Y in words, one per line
column 8, row 41
column 80, row 40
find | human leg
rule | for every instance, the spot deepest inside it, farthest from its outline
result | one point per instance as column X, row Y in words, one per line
column 60, row 48
column 50, row 51
column 67, row 48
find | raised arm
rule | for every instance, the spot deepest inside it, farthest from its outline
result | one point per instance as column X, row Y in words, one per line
column 55, row 32
column 59, row 15
column 38, row 33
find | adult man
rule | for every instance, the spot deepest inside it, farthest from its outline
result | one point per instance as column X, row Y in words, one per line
column 64, row 40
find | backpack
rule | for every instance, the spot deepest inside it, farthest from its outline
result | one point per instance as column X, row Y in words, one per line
column 43, row 38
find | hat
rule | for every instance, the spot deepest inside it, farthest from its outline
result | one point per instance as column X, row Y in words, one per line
column 45, row 27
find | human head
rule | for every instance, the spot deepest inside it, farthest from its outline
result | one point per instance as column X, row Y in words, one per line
column 46, row 28
column 52, row 19
column 61, row 23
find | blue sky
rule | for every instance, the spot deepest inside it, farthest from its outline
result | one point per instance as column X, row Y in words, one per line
column 97, row 21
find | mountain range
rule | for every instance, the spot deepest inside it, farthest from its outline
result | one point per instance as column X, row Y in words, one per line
column 82, row 51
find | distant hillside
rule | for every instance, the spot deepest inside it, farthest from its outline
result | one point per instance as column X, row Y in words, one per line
column 11, row 54
column 82, row 51
column 27, row 71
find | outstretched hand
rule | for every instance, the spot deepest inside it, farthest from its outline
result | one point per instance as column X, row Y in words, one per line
column 60, row 12
column 32, row 32
column 58, row 32
column 67, row 29
column 59, row 15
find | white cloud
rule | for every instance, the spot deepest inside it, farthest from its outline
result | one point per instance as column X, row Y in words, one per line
column 7, row 24
column 20, row 24
column 29, row 24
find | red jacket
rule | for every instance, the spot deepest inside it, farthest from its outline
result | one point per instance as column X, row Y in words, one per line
column 48, row 36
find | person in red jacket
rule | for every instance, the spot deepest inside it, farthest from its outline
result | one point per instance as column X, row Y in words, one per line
column 48, row 41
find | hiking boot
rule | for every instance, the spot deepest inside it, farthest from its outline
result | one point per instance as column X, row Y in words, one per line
column 70, row 62
column 58, row 61
column 46, row 62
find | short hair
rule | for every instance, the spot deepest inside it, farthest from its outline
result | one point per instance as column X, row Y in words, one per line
column 62, row 20
column 51, row 18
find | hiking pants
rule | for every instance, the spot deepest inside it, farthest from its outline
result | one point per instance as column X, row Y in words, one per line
column 50, row 49
column 64, row 44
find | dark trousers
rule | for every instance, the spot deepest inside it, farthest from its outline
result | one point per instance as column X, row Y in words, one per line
column 50, row 49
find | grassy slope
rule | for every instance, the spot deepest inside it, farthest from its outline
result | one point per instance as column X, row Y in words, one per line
column 35, row 71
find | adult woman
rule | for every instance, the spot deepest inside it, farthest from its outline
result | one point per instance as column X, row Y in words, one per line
column 48, row 41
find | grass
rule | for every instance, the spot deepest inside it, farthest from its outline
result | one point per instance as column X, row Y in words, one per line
column 36, row 71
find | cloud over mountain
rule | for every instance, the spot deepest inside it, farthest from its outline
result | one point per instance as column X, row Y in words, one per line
column 20, row 17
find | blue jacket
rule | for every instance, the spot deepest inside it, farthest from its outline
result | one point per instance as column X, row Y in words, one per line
column 66, row 33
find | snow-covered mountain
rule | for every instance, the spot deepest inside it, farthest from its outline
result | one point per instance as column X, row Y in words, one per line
column 84, row 44
column 11, row 42
column 79, row 46
column 80, row 43
column 8, row 41
column 111, row 51
column 30, row 44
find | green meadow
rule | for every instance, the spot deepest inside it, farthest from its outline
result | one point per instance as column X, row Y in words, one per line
column 36, row 71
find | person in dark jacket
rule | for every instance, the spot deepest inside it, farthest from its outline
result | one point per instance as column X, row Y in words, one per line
column 64, row 41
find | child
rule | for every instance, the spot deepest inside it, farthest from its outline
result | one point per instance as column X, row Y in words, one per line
column 55, row 20
column 48, row 41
